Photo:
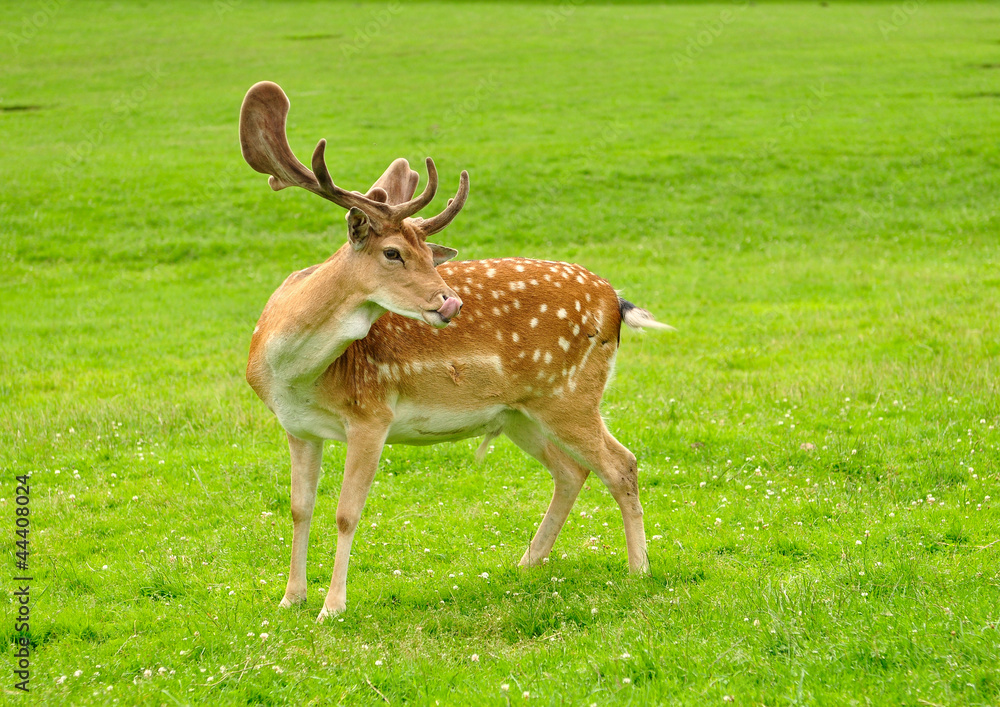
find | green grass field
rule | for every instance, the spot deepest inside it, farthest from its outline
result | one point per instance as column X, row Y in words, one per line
column 808, row 191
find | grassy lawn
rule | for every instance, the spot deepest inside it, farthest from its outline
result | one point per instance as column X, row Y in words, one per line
column 808, row 191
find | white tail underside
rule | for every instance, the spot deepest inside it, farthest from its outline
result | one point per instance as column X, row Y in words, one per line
column 638, row 318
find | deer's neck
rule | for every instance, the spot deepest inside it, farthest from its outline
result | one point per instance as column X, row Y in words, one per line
column 312, row 318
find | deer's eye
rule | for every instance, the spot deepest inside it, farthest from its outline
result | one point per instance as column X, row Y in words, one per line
column 392, row 254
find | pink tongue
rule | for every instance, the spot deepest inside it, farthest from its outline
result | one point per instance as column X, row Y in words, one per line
column 450, row 308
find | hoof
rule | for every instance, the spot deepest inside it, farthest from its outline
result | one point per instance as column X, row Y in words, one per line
column 326, row 613
column 528, row 560
column 640, row 570
column 287, row 602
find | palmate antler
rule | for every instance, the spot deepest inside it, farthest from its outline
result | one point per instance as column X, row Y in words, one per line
column 265, row 148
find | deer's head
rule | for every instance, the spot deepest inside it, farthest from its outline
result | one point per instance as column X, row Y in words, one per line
column 391, row 260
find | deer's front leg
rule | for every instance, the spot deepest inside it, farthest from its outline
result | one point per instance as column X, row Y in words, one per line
column 364, row 448
column 307, row 457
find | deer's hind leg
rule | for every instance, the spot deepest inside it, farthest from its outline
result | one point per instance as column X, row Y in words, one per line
column 567, row 475
column 585, row 439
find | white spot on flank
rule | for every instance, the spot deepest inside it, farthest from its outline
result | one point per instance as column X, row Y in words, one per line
column 579, row 278
column 514, row 337
column 543, row 308
column 534, row 322
column 561, row 313
column 576, row 330
column 548, row 357
column 588, row 296
column 519, row 268
column 564, row 344
column 538, row 355
column 533, row 282
column 491, row 272
column 577, row 305
column 557, row 390
column 496, row 311
column 496, row 295
column 499, row 335
column 517, row 304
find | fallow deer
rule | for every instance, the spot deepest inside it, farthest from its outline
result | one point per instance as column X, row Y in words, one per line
column 367, row 348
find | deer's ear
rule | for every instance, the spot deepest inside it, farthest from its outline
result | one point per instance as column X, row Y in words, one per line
column 358, row 227
column 441, row 254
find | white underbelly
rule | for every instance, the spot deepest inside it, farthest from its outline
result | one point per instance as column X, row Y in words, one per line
column 425, row 424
